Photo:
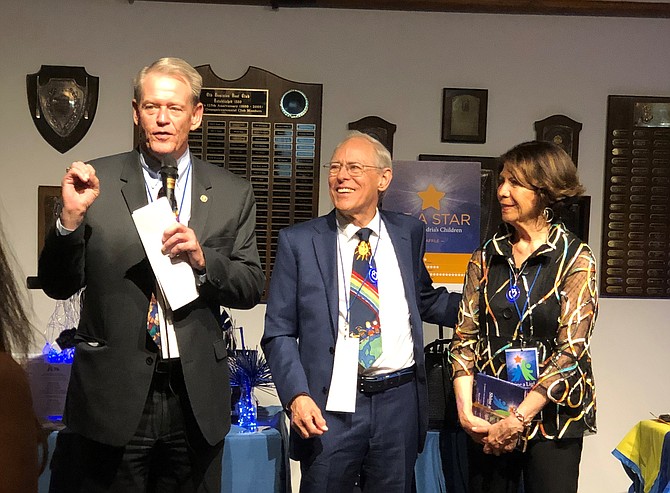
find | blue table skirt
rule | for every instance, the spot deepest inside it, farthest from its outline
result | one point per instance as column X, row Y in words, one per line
column 254, row 462
column 428, row 468
column 443, row 451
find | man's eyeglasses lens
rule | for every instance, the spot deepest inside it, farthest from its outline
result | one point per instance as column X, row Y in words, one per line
column 354, row 169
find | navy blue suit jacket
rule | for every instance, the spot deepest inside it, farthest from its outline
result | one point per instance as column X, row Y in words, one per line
column 301, row 320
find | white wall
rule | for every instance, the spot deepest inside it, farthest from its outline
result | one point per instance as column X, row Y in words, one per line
column 390, row 64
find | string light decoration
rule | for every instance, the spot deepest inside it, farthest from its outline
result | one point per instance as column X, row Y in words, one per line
column 248, row 370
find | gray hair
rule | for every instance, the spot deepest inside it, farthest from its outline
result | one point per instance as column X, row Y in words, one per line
column 382, row 154
column 173, row 67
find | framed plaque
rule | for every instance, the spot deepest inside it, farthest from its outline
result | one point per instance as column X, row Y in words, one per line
column 562, row 131
column 48, row 208
column 635, row 249
column 267, row 129
column 376, row 127
column 464, row 115
column 62, row 102
column 577, row 217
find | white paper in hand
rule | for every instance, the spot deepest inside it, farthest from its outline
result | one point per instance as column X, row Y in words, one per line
column 175, row 277
column 343, row 383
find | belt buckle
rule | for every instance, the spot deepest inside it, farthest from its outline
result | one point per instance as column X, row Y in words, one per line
column 365, row 384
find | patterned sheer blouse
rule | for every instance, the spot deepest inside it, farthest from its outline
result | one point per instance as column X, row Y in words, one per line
column 555, row 312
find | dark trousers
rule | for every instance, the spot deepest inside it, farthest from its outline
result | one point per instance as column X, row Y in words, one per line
column 376, row 446
column 167, row 453
column 547, row 466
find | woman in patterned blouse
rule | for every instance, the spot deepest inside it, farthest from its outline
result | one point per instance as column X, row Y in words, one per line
column 533, row 285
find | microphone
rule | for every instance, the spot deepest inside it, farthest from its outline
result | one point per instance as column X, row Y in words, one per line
column 169, row 177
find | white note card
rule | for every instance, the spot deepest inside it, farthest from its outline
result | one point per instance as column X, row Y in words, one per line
column 176, row 277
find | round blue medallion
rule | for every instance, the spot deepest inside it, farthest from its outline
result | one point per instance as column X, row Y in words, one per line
column 513, row 293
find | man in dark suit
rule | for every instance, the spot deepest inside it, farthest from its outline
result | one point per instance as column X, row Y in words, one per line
column 146, row 413
column 352, row 422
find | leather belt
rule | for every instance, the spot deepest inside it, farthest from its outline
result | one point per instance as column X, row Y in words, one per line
column 379, row 383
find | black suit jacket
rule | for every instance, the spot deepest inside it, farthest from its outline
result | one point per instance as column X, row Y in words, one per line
column 114, row 359
column 302, row 312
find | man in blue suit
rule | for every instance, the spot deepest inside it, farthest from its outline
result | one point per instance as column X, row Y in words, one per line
column 351, row 423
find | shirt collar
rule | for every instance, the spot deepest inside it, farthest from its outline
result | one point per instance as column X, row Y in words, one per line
column 349, row 229
column 183, row 162
column 502, row 244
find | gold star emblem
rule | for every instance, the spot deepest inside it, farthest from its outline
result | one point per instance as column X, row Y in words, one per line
column 431, row 197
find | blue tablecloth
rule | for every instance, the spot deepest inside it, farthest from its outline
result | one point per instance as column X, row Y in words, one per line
column 443, row 451
column 252, row 462
column 428, row 468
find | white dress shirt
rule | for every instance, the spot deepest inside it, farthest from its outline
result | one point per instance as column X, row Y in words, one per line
column 182, row 193
column 397, row 344
column 183, row 189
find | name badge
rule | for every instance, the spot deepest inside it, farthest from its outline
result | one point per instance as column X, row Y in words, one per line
column 343, row 383
column 522, row 366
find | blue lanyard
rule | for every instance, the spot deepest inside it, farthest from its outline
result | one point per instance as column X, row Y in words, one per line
column 183, row 192
column 528, row 291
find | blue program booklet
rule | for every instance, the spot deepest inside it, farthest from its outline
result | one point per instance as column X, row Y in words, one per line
column 493, row 397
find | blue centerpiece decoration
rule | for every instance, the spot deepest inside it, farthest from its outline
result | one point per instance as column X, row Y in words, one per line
column 248, row 370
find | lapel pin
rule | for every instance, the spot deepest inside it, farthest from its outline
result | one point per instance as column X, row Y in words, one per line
column 203, row 198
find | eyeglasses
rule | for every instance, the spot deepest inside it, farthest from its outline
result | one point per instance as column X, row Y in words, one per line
column 354, row 169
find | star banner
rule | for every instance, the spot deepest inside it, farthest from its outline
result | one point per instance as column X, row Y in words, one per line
column 445, row 195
